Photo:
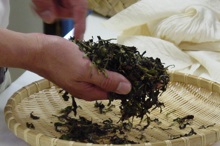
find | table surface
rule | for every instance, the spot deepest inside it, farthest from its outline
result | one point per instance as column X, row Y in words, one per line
column 7, row 138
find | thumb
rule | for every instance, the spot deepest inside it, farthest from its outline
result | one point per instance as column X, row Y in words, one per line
column 112, row 82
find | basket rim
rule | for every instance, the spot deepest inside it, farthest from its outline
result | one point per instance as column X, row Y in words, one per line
column 175, row 76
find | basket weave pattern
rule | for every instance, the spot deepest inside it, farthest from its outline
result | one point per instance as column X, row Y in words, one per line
column 109, row 8
column 186, row 94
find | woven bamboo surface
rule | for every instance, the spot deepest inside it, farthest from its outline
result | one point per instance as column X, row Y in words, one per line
column 186, row 95
column 109, row 8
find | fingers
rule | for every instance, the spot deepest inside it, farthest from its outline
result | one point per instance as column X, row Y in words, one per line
column 79, row 22
column 114, row 82
column 88, row 92
column 49, row 10
column 94, row 85
column 77, row 10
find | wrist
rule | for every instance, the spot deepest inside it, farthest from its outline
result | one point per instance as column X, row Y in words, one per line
column 33, row 51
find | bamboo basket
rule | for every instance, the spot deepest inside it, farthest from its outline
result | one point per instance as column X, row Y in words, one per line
column 109, row 8
column 186, row 94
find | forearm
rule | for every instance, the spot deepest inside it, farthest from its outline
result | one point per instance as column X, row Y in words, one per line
column 14, row 49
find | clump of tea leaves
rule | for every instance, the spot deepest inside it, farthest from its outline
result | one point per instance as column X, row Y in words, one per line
column 148, row 76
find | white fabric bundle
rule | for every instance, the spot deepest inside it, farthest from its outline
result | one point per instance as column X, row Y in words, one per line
column 181, row 33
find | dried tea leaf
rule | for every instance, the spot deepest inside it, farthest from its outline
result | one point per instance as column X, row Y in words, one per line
column 33, row 116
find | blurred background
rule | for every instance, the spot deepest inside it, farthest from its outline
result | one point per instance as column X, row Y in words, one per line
column 24, row 19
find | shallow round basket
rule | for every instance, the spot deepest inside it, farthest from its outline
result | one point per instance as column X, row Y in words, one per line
column 109, row 8
column 186, row 95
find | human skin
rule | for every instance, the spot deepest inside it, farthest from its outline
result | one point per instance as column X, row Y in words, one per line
column 50, row 10
column 60, row 61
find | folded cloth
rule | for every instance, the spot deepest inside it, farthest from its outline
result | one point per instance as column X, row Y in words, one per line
column 192, row 26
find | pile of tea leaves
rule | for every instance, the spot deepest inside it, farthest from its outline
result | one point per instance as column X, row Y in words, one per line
column 148, row 77
column 81, row 129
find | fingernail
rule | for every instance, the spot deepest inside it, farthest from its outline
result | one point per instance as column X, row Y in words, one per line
column 47, row 16
column 123, row 88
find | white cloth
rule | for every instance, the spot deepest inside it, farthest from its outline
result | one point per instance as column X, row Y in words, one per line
column 4, row 20
column 192, row 26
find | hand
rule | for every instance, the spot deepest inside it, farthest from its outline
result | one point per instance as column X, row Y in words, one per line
column 61, row 61
column 50, row 10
